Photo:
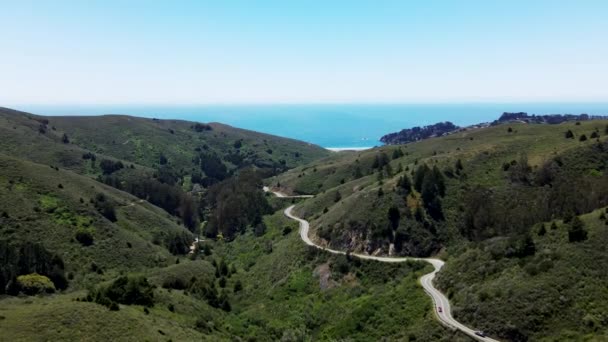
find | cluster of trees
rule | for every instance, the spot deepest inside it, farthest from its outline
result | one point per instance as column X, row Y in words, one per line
column 235, row 204
column 430, row 183
column 109, row 166
column 213, row 167
column 25, row 259
column 105, row 207
column 199, row 127
column 169, row 197
column 573, row 183
column 418, row 133
column 124, row 290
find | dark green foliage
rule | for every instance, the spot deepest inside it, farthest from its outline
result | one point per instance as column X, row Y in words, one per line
column 105, row 207
column 569, row 135
column 404, row 184
column 397, row 153
column 65, row 139
column 84, row 236
column 594, row 135
column 213, row 167
column 259, row 229
column 176, row 241
column 520, row 171
column 124, row 290
column 169, row 197
column 287, row 230
column 432, row 187
column 171, row 307
column 25, row 258
column 583, row 137
column 162, row 160
column 222, row 282
column 337, row 197
column 380, row 161
column 542, row 230
column 238, row 286
column 109, row 166
column 394, row 216
column 235, row 204
column 576, row 231
column 199, row 127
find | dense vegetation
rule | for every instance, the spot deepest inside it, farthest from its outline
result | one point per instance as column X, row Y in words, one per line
column 418, row 133
column 486, row 199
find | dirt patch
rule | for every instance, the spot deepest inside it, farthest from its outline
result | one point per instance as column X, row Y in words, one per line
column 323, row 272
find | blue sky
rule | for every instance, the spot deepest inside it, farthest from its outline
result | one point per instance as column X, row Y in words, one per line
column 197, row 52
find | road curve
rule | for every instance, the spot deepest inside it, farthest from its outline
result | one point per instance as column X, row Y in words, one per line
column 439, row 299
column 282, row 195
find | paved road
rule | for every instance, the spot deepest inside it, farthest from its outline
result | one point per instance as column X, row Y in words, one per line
column 282, row 195
column 439, row 299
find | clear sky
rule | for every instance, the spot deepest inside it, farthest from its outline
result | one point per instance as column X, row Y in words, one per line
column 196, row 52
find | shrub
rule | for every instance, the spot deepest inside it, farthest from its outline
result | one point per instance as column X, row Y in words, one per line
column 238, row 286
column 125, row 290
column 84, row 236
column 34, row 283
column 569, row 135
column 582, row 138
column 576, row 231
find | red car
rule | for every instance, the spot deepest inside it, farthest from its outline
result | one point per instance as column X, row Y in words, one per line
column 439, row 309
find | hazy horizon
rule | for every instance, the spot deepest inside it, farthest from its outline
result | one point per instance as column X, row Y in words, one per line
column 328, row 125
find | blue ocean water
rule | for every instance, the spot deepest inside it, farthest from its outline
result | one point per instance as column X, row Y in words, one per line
column 329, row 125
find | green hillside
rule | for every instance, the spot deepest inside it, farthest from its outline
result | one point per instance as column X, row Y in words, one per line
column 477, row 198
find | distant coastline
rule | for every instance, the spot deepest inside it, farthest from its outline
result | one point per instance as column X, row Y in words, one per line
column 332, row 126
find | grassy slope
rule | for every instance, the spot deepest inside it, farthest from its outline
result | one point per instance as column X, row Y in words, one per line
column 558, row 294
column 142, row 140
column 483, row 151
column 40, row 211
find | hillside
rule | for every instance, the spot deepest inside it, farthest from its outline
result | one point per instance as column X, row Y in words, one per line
column 475, row 197
column 98, row 214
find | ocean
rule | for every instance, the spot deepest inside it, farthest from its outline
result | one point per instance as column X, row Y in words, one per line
column 329, row 125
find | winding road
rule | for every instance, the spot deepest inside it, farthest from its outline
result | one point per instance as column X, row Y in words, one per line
column 439, row 299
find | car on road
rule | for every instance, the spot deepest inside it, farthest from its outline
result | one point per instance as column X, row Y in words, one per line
column 480, row 333
column 439, row 309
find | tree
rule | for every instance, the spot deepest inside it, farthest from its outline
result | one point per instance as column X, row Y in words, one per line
column 337, row 197
column 162, row 159
column 542, row 231
column 238, row 286
column 394, row 216
column 405, row 184
column 569, row 135
column 380, row 192
column 419, row 176
column 458, row 165
column 65, row 139
column 576, row 231
column 595, row 135
column 582, row 138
